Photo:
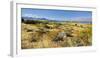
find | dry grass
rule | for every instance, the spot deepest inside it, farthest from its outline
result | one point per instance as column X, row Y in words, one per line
column 39, row 36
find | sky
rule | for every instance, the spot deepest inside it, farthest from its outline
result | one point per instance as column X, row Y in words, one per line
column 61, row 15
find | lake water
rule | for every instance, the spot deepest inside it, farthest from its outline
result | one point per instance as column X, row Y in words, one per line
column 86, row 22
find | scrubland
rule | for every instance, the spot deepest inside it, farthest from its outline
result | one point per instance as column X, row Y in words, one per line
column 55, row 34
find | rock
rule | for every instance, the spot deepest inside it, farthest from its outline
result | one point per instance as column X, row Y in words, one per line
column 60, row 36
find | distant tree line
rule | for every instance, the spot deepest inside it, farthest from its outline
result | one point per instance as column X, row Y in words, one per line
column 26, row 21
column 32, row 21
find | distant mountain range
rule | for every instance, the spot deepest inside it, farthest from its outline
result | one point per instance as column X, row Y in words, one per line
column 31, row 18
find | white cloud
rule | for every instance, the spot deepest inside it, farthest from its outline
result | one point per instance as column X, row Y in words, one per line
column 31, row 15
column 28, row 15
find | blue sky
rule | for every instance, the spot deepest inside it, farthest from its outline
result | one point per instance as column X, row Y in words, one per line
column 65, row 15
